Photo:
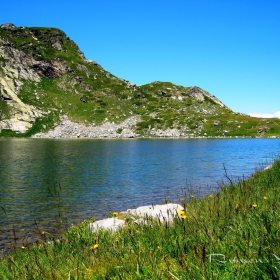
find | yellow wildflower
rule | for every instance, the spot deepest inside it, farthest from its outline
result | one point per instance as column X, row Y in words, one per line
column 22, row 247
column 94, row 247
column 181, row 212
column 265, row 197
column 183, row 216
column 254, row 205
column 115, row 214
column 211, row 195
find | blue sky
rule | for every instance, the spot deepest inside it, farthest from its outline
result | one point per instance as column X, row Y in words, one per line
column 230, row 48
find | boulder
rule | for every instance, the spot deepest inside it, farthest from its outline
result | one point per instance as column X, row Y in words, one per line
column 162, row 92
column 263, row 130
column 111, row 224
column 165, row 212
column 141, row 95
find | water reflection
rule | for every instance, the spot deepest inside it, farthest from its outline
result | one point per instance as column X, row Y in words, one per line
column 57, row 182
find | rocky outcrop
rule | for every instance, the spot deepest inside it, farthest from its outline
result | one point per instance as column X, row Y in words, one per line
column 26, row 67
column 216, row 123
column 15, row 67
column 263, row 130
column 200, row 95
column 9, row 26
column 196, row 93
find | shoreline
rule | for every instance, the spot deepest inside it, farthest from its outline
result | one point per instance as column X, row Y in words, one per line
column 233, row 233
column 67, row 129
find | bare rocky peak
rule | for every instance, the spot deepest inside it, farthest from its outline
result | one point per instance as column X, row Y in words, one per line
column 200, row 95
column 196, row 93
column 8, row 26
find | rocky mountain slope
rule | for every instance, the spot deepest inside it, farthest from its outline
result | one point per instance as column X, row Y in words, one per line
column 49, row 89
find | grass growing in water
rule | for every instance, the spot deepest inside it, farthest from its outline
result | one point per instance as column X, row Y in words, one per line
column 233, row 234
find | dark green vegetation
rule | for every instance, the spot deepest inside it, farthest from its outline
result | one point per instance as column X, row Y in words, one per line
column 87, row 93
column 233, row 234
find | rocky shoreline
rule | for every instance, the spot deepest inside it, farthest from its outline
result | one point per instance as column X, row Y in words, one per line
column 126, row 129
column 67, row 129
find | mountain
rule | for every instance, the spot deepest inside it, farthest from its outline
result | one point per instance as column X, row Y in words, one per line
column 49, row 89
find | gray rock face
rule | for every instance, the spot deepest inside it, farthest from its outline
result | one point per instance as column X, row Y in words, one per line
column 15, row 125
column 200, row 94
column 15, row 67
column 196, row 93
column 21, row 115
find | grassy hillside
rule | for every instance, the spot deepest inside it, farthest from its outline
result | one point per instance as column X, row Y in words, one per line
column 88, row 94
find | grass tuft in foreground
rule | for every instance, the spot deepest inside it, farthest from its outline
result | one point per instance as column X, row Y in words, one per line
column 234, row 234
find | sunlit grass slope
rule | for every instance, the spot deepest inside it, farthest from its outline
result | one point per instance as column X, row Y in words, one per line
column 86, row 93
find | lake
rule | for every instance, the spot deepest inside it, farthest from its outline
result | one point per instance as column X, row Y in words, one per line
column 49, row 184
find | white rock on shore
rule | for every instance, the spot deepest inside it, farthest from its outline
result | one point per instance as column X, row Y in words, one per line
column 111, row 224
column 166, row 212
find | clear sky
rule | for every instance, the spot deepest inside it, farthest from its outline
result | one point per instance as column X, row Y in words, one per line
column 230, row 48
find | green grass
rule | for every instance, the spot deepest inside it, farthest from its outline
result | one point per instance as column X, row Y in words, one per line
column 88, row 94
column 233, row 234
column 4, row 110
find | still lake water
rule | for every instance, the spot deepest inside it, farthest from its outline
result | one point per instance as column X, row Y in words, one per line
column 48, row 184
